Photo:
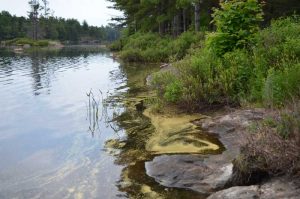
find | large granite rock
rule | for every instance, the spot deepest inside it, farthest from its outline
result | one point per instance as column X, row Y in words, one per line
column 190, row 172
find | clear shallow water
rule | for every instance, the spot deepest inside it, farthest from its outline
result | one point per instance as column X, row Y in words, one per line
column 46, row 150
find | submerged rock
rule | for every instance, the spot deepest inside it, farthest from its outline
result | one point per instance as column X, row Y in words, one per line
column 188, row 171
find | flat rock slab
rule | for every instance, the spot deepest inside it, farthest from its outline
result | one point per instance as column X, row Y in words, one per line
column 210, row 173
column 281, row 187
column 188, row 171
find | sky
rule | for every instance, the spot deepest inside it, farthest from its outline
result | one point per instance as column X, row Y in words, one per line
column 95, row 12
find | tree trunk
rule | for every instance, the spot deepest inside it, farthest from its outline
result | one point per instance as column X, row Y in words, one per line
column 197, row 16
column 34, row 28
column 161, row 28
column 176, row 25
column 184, row 20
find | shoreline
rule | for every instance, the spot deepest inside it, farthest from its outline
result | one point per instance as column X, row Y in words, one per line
column 214, row 175
column 20, row 49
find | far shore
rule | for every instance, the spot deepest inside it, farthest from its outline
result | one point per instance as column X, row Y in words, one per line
column 52, row 46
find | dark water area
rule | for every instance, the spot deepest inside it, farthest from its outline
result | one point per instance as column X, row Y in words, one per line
column 50, row 145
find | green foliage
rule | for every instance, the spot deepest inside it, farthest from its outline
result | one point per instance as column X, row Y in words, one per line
column 174, row 91
column 42, row 43
column 31, row 42
column 132, row 55
column 181, row 45
column 236, row 21
column 268, row 72
column 276, row 60
column 116, row 45
column 151, row 47
column 281, row 86
column 54, row 28
column 161, row 80
column 209, row 79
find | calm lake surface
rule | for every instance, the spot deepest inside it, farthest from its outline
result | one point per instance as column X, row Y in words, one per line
column 50, row 145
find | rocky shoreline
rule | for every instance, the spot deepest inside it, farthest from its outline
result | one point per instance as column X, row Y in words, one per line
column 211, row 175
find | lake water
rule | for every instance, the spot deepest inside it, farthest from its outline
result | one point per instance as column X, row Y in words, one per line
column 50, row 144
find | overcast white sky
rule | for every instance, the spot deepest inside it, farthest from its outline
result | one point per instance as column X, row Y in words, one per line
column 95, row 12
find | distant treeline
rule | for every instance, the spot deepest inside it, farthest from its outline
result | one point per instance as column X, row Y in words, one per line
column 174, row 17
column 55, row 28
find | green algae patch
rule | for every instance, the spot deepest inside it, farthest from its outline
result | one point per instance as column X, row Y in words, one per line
column 175, row 134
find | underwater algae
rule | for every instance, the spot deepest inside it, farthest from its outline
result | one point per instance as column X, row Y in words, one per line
column 175, row 133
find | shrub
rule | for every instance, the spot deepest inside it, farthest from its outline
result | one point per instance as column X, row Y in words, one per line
column 242, row 74
column 278, row 45
column 142, row 41
column 161, row 80
column 236, row 21
column 174, row 91
column 235, row 74
column 182, row 44
column 41, row 43
column 276, row 60
column 131, row 55
column 152, row 47
column 145, row 47
column 116, row 45
column 281, row 86
column 23, row 41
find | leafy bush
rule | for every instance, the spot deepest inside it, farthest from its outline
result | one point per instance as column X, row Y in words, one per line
column 282, row 86
column 161, row 80
column 181, row 45
column 276, row 60
column 131, row 55
column 41, row 43
column 278, row 46
column 269, row 73
column 23, row 41
column 151, row 47
column 174, row 91
column 116, row 45
column 236, row 21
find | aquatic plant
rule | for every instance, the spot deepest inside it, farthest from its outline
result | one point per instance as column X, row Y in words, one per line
column 96, row 110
